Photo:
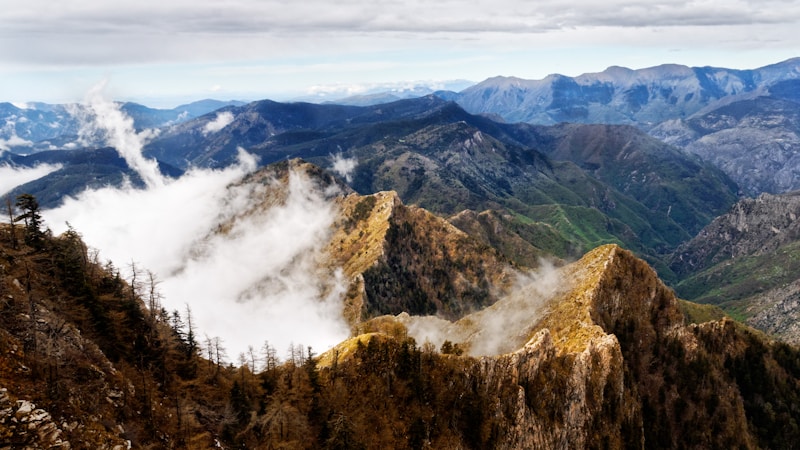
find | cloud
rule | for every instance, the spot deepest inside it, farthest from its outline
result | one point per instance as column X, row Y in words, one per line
column 94, row 31
column 501, row 328
column 222, row 120
column 103, row 120
column 9, row 130
column 13, row 141
column 344, row 167
column 11, row 177
column 242, row 254
column 258, row 280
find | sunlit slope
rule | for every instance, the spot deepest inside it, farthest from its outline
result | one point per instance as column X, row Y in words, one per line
column 392, row 257
column 600, row 350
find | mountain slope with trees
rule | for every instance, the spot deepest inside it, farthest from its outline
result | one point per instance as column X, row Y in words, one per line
column 92, row 361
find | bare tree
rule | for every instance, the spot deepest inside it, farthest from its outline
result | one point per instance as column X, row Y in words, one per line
column 209, row 344
column 251, row 353
column 135, row 283
column 191, row 341
column 10, row 208
column 295, row 354
column 153, row 296
column 270, row 356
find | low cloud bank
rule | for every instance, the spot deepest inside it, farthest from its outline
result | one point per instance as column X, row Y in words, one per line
column 11, row 177
column 248, row 268
column 258, row 280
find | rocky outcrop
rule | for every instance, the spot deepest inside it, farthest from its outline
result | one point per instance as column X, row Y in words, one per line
column 610, row 363
column 23, row 426
column 777, row 312
column 752, row 227
column 754, row 140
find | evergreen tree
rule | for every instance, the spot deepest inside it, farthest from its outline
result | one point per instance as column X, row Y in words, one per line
column 32, row 217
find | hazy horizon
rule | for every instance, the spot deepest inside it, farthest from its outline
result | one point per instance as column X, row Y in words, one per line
column 166, row 53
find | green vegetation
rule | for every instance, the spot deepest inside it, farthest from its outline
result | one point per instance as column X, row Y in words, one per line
column 698, row 313
column 729, row 282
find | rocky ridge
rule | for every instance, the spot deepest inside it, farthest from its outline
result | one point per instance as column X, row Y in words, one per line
column 752, row 227
column 598, row 355
column 618, row 95
column 612, row 340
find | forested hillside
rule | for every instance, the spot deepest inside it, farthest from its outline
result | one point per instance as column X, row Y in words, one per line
column 93, row 360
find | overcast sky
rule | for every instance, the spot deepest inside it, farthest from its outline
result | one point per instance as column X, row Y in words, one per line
column 163, row 52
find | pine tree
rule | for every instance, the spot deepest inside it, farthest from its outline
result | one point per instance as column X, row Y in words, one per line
column 32, row 216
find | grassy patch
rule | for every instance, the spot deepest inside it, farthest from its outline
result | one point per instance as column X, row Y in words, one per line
column 728, row 283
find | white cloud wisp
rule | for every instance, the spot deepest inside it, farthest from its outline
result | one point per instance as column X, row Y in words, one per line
column 11, row 177
column 258, row 280
column 103, row 119
column 222, row 120
column 243, row 255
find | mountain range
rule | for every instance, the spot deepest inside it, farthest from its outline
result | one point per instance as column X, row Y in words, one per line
column 40, row 126
column 513, row 263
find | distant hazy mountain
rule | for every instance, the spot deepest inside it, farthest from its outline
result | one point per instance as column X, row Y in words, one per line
column 754, row 138
column 618, row 95
column 41, row 126
column 381, row 92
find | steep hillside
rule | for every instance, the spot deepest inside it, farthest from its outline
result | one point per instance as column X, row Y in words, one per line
column 634, row 193
column 652, row 175
column 754, row 139
column 597, row 356
column 266, row 123
column 618, row 95
column 661, row 177
column 746, row 262
column 611, row 337
column 600, row 184
column 394, row 257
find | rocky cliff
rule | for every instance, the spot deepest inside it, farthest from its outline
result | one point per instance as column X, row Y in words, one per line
column 753, row 138
column 607, row 361
column 746, row 262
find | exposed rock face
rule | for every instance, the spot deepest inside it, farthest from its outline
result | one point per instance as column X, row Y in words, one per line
column 403, row 258
column 777, row 312
column 755, row 141
column 752, row 227
column 23, row 426
column 611, row 364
